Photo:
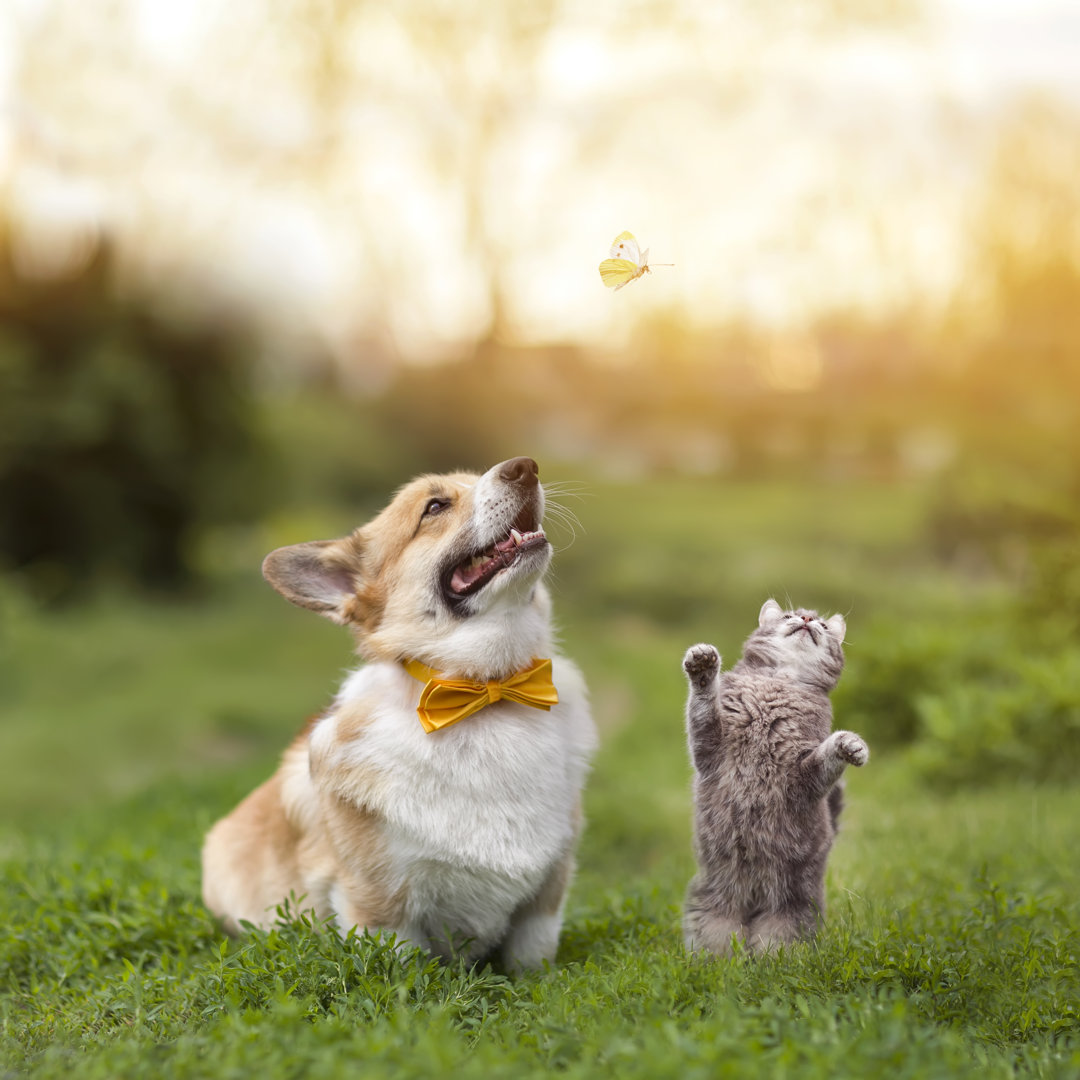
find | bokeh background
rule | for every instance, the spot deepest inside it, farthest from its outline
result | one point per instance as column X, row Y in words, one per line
column 261, row 262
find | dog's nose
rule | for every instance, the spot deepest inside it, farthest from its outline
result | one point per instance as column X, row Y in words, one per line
column 520, row 470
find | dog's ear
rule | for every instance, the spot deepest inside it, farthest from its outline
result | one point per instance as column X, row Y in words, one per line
column 323, row 575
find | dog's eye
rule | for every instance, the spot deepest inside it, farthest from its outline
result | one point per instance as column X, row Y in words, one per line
column 435, row 506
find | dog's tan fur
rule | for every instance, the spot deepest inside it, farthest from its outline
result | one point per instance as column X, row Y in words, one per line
column 340, row 824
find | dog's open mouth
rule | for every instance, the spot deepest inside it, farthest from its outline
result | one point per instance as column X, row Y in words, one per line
column 472, row 574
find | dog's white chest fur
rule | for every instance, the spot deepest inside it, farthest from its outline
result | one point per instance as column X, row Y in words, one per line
column 474, row 816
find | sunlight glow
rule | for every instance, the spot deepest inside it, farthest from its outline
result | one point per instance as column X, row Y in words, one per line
column 370, row 172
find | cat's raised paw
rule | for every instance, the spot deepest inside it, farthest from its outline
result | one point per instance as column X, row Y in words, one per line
column 851, row 748
column 701, row 663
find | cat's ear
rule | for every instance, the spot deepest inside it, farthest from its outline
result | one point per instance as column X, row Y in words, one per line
column 770, row 613
column 838, row 626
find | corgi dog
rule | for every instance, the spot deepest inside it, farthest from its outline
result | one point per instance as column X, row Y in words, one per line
column 459, row 839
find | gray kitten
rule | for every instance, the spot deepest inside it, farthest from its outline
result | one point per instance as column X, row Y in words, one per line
column 766, row 772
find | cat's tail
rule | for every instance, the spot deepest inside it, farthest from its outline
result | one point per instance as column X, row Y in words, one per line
column 836, row 804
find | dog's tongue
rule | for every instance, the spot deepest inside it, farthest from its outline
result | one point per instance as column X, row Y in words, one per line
column 468, row 572
column 471, row 571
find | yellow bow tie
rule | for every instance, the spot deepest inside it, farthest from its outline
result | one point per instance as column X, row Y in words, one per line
column 446, row 701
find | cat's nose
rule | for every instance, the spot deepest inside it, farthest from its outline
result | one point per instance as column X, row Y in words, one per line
column 808, row 618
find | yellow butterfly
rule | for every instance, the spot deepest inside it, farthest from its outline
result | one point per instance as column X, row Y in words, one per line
column 627, row 262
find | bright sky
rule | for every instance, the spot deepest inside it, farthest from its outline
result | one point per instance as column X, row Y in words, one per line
column 781, row 171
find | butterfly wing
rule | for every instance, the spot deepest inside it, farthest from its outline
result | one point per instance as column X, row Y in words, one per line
column 625, row 246
column 615, row 273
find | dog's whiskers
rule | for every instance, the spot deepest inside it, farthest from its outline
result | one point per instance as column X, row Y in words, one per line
column 572, row 488
column 561, row 515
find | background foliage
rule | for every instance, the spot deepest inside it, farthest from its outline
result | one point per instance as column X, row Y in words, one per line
column 123, row 433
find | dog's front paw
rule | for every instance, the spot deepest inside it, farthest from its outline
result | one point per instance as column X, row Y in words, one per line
column 851, row 748
column 701, row 663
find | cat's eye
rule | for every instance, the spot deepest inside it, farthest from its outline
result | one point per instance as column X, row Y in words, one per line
column 435, row 506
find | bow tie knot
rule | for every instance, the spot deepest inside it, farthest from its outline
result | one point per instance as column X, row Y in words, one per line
column 445, row 701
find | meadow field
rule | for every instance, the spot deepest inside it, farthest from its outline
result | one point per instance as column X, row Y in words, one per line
column 128, row 725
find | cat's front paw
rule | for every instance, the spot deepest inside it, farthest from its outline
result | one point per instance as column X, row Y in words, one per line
column 701, row 663
column 851, row 748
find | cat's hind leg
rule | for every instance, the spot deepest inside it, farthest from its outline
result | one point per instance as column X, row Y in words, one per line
column 768, row 932
column 711, row 931
column 709, row 925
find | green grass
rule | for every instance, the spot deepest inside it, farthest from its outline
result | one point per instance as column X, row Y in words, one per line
column 125, row 728
column 951, row 950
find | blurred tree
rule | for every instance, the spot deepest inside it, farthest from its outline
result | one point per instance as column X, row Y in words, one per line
column 121, row 432
column 1014, row 340
column 414, row 138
